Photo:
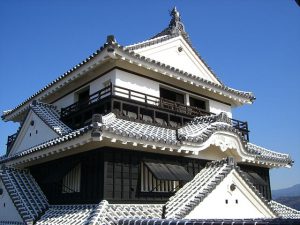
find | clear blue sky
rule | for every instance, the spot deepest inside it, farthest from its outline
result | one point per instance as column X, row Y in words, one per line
column 251, row 45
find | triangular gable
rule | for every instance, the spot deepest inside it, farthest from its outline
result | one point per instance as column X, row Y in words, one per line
column 173, row 47
column 177, row 52
column 232, row 199
column 8, row 211
column 34, row 131
column 220, row 187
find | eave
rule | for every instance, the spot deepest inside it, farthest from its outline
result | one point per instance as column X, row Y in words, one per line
column 115, row 132
column 113, row 51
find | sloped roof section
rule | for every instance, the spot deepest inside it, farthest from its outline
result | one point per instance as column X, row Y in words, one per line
column 198, row 131
column 195, row 191
column 25, row 193
column 284, row 211
column 114, row 212
column 103, row 213
column 192, row 193
column 176, row 28
column 138, row 130
column 277, row 221
column 56, row 141
column 67, row 214
column 49, row 114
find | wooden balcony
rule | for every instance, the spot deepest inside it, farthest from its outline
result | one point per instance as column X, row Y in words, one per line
column 136, row 106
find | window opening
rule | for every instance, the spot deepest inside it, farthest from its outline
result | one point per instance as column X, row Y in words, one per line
column 150, row 184
column 171, row 95
column 83, row 95
column 201, row 104
column 71, row 181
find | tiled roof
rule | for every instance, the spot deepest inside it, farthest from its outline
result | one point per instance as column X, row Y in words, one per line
column 11, row 223
column 284, row 211
column 265, row 154
column 138, row 130
column 112, row 45
column 49, row 114
column 56, row 141
column 103, row 213
column 199, row 130
column 185, row 75
column 192, row 193
column 210, row 222
column 67, row 215
column 175, row 29
column 114, row 212
column 25, row 193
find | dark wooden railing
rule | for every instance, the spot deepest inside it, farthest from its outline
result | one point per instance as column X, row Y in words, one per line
column 117, row 91
column 113, row 91
column 242, row 126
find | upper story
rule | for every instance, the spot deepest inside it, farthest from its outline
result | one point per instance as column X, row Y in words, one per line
column 164, row 71
column 159, row 89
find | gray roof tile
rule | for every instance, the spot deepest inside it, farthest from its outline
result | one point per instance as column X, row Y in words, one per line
column 284, row 211
column 199, row 130
column 25, row 193
column 49, row 114
column 67, row 215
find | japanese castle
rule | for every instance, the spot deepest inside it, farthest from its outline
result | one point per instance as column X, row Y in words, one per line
column 138, row 134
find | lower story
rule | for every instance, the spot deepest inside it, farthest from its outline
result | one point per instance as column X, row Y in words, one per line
column 125, row 176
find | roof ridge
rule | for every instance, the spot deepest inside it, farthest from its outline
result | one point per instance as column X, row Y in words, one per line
column 181, row 72
column 273, row 204
column 202, row 185
column 50, row 116
column 29, row 200
column 254, row 189
column 97, row 213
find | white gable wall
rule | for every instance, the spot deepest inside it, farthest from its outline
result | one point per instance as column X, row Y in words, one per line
column 8, row 211
column 214, row 206
column 186, row 60
column 30, row 136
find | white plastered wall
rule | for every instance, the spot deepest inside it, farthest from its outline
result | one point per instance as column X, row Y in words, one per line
column 218, row 107
column 8, row 211
column 98, row 84
column 168, row 52
column 65, row 101
column 94, row 86
column 214, row 206
column 137, row 83
column 30, row 136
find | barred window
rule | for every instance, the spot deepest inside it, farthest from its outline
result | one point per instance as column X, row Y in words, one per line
column 151, row 184
column 71, row 181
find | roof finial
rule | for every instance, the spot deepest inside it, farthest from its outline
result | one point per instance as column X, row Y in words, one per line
column 176, row 26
